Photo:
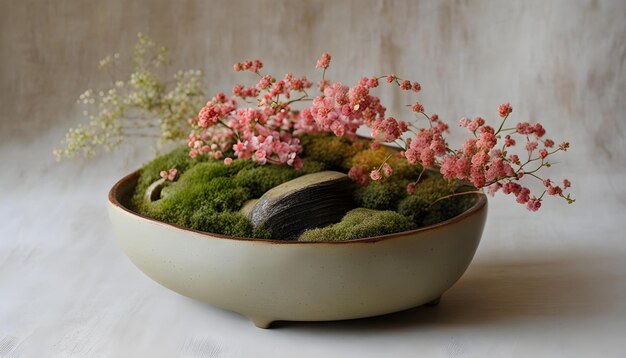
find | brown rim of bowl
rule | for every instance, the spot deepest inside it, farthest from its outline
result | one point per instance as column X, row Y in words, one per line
column 480, row 204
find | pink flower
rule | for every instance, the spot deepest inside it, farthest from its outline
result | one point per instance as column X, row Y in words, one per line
column 170, row 175
column 264, row 82
column 324, row 61
column 410, row 188
column 523, row 196
column 524, row 128
column 448, row 167
column 472, row 126
column 375, row 175
column 554, row 190
column 359, row 175
column 406, row 85
column 566, row 183
column 387, row 170
column 391, row 78
column 228, row 161
column 548, row 143
column 388, row 129
column 543, row 153
column 372, row 82
column 533, row 204
column 486, row 141
column 539, row 130
column 530, row 146
column 493, row 188
column 209, row 115
column 505, row 109
column 417, row 107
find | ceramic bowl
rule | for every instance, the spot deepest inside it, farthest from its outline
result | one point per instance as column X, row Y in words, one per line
column 268, row 280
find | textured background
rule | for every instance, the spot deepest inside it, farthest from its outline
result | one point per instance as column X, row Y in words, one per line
column 552, row 280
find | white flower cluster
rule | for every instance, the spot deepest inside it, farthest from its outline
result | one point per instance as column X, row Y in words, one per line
column 141, row 106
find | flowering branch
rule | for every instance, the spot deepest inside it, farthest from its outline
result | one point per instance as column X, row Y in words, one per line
column 268, row 133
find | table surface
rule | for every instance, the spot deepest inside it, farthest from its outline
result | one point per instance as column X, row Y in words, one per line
column 541, row 284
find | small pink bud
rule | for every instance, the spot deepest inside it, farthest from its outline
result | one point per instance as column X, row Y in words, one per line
column 387, row 170
column 566, row 183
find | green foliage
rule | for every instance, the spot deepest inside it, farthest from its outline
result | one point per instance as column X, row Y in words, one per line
column 360, row 223
column 370, row 158
column 259, row 179
column 185, row 198
column 381, row 195
column 143, row 103
column 208, row 195
column 334, row 152
column 423, row 207
column 149, row 173
column 225, row 223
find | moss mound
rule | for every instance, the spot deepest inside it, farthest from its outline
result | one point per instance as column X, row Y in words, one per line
column 259, row 179
column 360, row 223
column 381, row 195
column 423, row 208
column 333, row 152
column 177, row 158
column 208, row 194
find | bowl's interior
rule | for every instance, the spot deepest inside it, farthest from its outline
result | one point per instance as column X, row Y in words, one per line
column 121, row 193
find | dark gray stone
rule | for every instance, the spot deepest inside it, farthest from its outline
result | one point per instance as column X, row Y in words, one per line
column 312, row 200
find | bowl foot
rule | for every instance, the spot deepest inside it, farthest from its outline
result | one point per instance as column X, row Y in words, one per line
column 261, row 322
column 434, row 302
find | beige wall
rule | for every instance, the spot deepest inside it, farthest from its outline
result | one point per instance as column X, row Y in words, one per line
column 560, row 62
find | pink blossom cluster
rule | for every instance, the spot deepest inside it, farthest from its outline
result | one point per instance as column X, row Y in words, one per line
column 342, row 110
column 248, row 65
column 263, row 133
column 359, row 174
column 171, row 174
column 427, row 145
column 487, row 159
column 266, row 130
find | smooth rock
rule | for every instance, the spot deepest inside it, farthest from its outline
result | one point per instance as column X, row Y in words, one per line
column 153, row 192
column 312, row 200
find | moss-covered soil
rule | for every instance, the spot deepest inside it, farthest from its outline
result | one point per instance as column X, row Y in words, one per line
column 208, row 194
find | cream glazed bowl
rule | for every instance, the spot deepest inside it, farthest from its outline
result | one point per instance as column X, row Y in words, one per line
column 271, row 280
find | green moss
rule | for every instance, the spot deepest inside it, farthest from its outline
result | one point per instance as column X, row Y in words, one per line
column 334, row 152
column 185, row 198
column 381, row 195
column 149, row 173
column 208, row 195
column 370, row 158
column 360, row 223
column 225, row 223
column 423, row 208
